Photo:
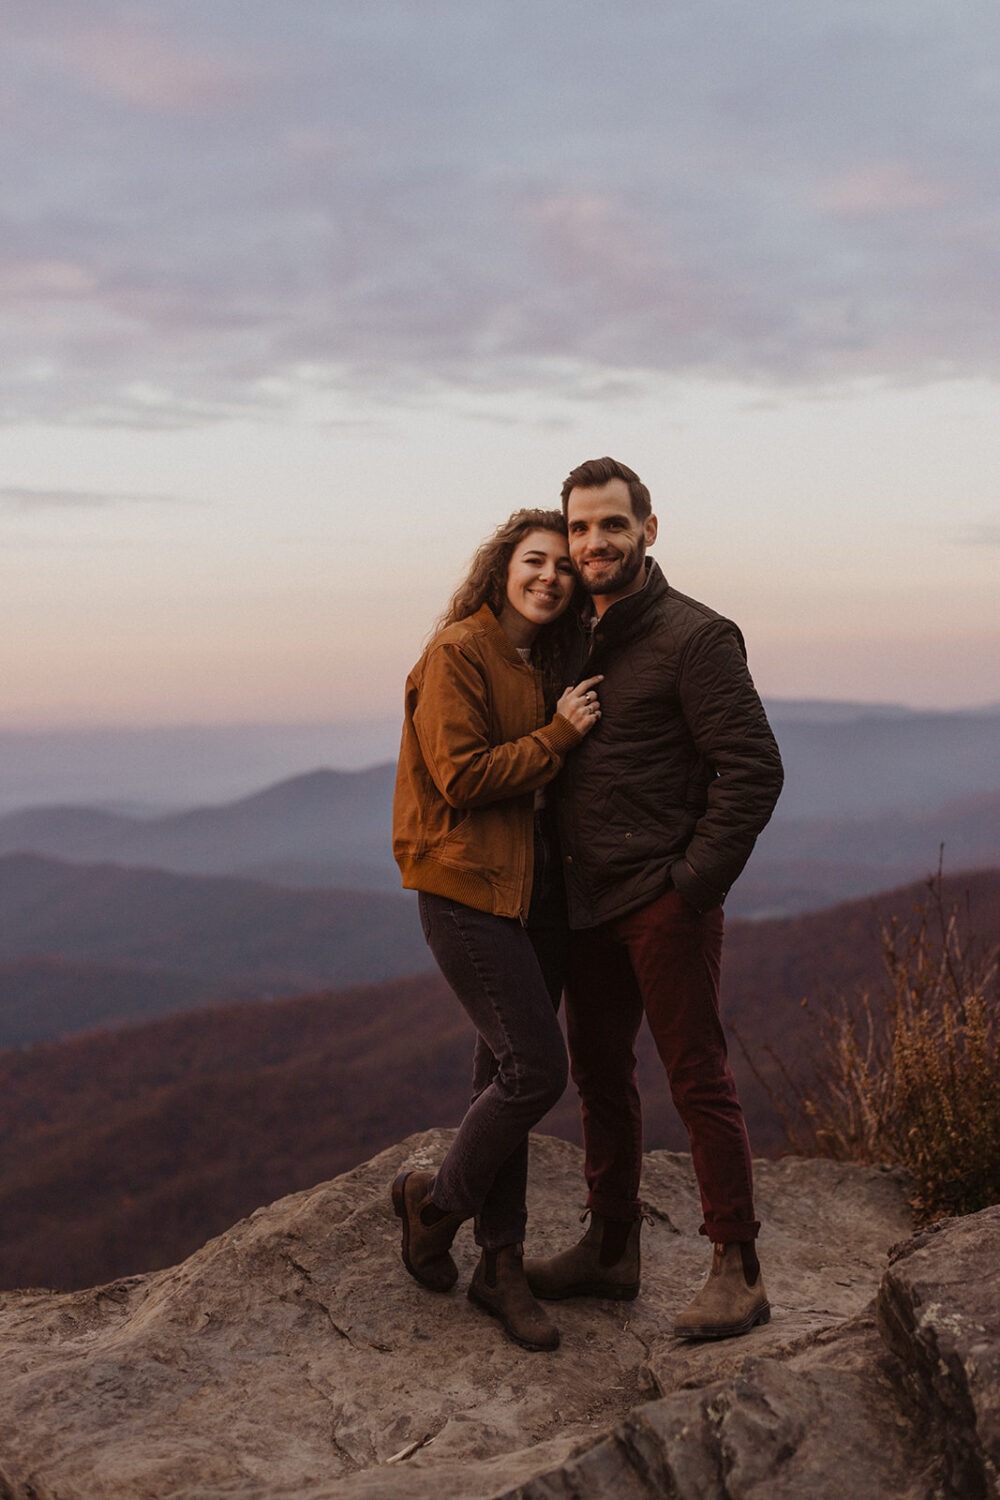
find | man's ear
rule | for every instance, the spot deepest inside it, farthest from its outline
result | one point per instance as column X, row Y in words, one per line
column 649, row 530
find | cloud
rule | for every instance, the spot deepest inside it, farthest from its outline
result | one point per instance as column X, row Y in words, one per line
column 124, row 54
column 878, row 189
column 222, row 206
column 981, row 534
column 17, row 497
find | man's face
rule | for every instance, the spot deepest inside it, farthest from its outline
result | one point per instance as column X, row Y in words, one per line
column 606, row 542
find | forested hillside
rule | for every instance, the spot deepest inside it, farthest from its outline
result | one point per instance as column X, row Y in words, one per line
column 125, row 1150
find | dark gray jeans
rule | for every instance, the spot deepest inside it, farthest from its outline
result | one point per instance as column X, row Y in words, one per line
column 509, row 979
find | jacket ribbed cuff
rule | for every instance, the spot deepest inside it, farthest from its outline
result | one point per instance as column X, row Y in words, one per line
column 560, row 736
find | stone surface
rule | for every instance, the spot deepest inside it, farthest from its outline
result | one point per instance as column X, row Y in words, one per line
column 939, row 1310
column 293, row 1356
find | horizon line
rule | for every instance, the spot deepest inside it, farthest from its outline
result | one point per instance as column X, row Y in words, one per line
column 386, row 720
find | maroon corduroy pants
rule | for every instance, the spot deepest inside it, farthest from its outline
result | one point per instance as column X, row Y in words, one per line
column 663, row 960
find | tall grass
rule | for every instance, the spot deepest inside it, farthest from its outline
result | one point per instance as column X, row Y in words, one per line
column 910, row 1075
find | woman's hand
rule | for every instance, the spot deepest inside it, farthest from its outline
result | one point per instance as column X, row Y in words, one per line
column 580, row 705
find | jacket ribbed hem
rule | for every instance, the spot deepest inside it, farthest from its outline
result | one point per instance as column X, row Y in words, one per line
column 457, row 885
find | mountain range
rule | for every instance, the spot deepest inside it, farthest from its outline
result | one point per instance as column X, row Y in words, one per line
column 107, row 915
column 870, row 822
column 840, row 757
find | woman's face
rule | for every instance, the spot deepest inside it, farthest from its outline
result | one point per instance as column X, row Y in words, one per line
column 540, row 583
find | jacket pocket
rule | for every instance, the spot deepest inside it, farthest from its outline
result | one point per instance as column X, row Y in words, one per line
column 466, row 846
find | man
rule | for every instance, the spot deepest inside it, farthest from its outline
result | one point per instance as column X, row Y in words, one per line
column 659, row 809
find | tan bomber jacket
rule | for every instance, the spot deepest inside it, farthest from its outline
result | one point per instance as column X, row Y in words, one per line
column 476, row 745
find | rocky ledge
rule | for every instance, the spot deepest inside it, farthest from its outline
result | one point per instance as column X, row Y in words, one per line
column 293, row 1357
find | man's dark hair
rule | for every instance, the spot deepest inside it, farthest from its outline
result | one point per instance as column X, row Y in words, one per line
column 598, row 471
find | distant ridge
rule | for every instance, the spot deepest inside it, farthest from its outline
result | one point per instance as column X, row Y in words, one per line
column 256, row 940
column 836, row 711
column 908, row 762
column 821, row 711
column 872, row 793
column 806, row 864
column 169, row 767
column 331, row 826
column 42, row 999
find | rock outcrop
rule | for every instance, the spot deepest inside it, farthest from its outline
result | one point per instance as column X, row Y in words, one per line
column 293, row 1357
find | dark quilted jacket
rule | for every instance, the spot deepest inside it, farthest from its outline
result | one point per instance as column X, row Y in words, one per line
column 681, row 774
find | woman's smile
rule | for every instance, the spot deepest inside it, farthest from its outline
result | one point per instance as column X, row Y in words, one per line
column 540, row 583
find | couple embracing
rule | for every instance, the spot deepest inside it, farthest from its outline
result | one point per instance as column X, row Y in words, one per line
column 579, row 841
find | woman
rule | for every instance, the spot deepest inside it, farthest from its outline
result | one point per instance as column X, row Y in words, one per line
column 470, row 833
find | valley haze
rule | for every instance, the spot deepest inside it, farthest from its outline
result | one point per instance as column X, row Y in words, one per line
column 874, row 797
column 158, row 768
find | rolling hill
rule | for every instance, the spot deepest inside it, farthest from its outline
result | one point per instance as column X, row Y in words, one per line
column 42, row 999
column 126, row 1149
column 234, row 937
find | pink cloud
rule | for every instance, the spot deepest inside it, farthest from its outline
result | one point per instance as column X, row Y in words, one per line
column 39, row 279
column 881, row 187
column 139, row 66
column 603, row 247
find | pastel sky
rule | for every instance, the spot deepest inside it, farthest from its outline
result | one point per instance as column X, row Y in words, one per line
column 299, row 300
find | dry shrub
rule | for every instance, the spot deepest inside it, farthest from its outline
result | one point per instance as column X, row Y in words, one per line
column 911, row 1076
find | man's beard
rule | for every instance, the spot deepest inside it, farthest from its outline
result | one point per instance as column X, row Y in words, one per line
column 613, row 580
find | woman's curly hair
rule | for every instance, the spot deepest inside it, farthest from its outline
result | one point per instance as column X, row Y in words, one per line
column 486, row 583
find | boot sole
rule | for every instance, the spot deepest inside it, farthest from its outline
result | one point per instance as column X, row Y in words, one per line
column 727, row 1330
column 494, row 1312
column 627, row 1292
column 399, row 1207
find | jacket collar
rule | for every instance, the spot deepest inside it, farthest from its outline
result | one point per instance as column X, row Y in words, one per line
column 487, row 621
column 621, row 618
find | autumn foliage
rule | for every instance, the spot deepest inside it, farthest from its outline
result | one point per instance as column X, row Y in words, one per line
column 908, row 1073
column 124, row 1150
